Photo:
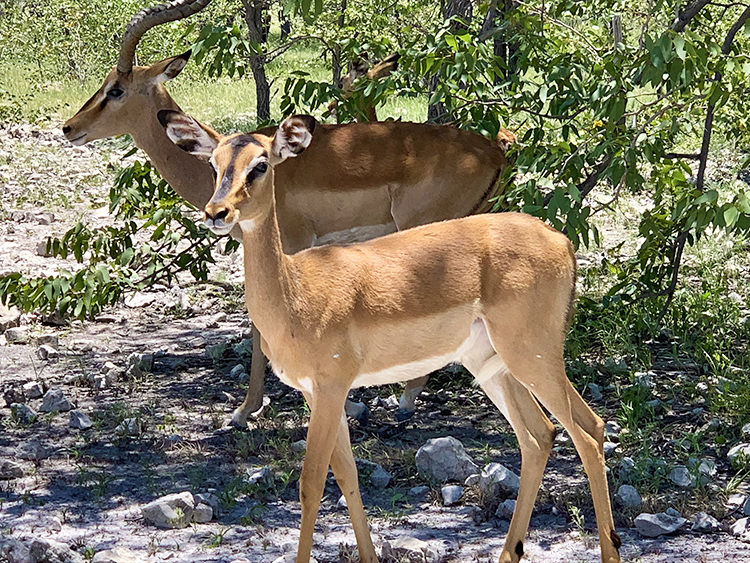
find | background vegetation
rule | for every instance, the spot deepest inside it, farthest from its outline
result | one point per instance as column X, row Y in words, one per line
column 633, row 134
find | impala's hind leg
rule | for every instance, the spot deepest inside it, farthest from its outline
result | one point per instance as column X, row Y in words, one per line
column 406, row 405
column 534, row 356
column 254, row 396
column 535, row 435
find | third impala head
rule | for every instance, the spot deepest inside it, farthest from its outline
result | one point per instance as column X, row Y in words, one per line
column 242, row 163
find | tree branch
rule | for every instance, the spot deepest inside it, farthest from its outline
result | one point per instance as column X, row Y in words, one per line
column 680, row 23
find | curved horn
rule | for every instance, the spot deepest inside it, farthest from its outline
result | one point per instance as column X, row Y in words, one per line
column 151, row 17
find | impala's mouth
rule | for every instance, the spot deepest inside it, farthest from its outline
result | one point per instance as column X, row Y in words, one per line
column 79, row 140
column 218, row 226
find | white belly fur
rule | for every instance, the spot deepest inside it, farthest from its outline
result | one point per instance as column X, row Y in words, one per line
column 412, row 370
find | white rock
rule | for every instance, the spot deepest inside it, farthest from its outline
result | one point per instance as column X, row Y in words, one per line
column 118, row 555
column 291, row 558
column 129, row 427
column 445, row 459
column 10, row 470
column 342, row 504
column 202, row 513
column 506, row 509
column 49, row 550
column 32, row 451
column 496, row 478
column 47, row 352
column 171, row 511
column 409, row 549
column 681, row 477
column 451, row 494
column 17, row 335
column 300, row 446
column 380, row 478
column 609, row 448
column 739, row 450
column 354, row 410
column 23, row 413
column 741, row 528
column 705, row 523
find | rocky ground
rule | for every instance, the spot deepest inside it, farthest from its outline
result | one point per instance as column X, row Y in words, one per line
column 98, row 419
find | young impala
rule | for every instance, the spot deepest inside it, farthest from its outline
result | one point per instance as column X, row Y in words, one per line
column 493, row 292
column 356, row 182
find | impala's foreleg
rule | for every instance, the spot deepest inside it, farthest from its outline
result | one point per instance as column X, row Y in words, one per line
column 326, row 411
column 535, row 434
column 254, row 396
column 345, row 471
column 406, row 405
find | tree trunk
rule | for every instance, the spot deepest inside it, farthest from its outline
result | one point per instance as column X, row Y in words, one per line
column 258, row 24
column 336, row 53
column 437, row 113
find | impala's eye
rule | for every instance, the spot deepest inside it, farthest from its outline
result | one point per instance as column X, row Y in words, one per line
column 261, row 167
column 115, row 92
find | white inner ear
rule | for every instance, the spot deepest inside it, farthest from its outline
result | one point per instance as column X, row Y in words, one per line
column 186, row 129
column 173, row 69
column 291, row 139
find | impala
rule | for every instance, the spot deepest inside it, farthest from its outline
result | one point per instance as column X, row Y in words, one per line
column 493, row 292
column 356, row 182
column 361, row 68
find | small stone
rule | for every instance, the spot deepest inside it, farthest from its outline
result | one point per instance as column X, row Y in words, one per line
column 741, row 528
column 13, row 394
column 9, row 317
column 746, row 507
column 117, row 555
column 129, row 427
column 746, row 430
column 595, row 391
column 237, row 371
column 609, row 448
column 355, row 409
column 80, row 420
column 211, row 500
column 653, row 525
column 341, row 504
column 451, row 494
column 195, row 342
column 47, row 352
column 32, row 451
column 672, row 512
column 681, row 477
column 262, row 476
column 380, row 478
column 645, row 379
column 705, row 523
column 23, row 413
column 612, row 429
column 738, row 451
column 419, row 492
column 10, row 470
column 213, row 321
column 49, row 550
column 736, row 500
column 202, row 513
column 506, row 509
column 139, row 299
column 628, row 496
column 472, row 480
column 299, row 447
column 217, row 351
column 107, row 319
column 244, row 348
column 445, row 459
column 139, row 363
column 55, row 401
column 406, row 548
column 17, row 335
column 33, row 390
column 171, row 511
column 49, row 338
column 496, row 478
column 291, row 558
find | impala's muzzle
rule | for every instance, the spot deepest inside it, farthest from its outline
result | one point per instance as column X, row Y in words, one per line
column 219, row 217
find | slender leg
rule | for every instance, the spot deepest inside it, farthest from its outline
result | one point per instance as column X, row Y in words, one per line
column 254, row 396
column 326, row 411
column 536, row 361
column 535, row 435
column 406, row 406
column 345, row 471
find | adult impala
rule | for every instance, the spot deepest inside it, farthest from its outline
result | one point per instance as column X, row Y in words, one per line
column 356, row 182
column 494, row 292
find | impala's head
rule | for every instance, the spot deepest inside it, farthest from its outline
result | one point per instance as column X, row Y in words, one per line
column 242, row 163
column 130, row 94
column 124, row 101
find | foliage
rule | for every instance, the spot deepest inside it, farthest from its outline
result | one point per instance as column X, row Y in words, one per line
column 116, row 259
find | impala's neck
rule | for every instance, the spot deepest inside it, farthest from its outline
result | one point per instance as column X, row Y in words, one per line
column 269, row 289
column 189, row 177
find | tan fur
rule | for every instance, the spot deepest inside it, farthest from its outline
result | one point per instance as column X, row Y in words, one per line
column 334, row 316
column 354, row 182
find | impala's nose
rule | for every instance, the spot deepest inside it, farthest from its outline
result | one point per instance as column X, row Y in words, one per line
column 66, row 129
column 215, row 213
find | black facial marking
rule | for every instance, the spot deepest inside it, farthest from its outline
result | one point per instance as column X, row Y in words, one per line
column 241, row 141
column 519, row 549
column 103, row 104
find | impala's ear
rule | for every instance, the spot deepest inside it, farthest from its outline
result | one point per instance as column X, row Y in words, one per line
column 293, row 136
column 188, row 134
column 168, row 68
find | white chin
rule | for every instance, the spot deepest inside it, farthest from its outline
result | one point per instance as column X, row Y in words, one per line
column 79, row 141
column 221, row 229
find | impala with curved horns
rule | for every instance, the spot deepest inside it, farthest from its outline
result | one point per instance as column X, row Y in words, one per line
column 355, row 182
column 494, row 292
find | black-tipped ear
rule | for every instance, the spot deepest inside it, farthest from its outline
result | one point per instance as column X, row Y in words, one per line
column 166, row 115
column 293, row 136
column 168, row 68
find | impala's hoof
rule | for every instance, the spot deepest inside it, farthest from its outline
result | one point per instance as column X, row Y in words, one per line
column 403, row 414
